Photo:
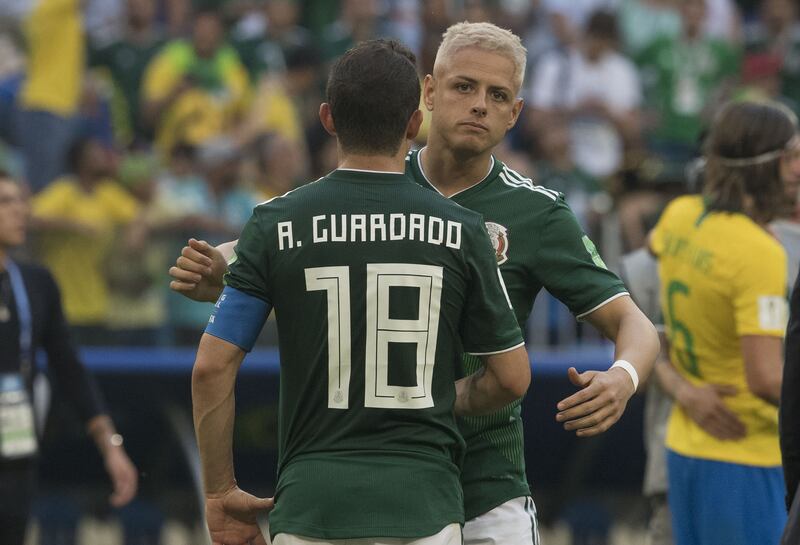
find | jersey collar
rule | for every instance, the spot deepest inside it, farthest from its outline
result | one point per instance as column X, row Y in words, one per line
column 494, row 168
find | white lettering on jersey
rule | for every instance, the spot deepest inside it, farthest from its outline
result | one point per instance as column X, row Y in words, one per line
column 376, row 228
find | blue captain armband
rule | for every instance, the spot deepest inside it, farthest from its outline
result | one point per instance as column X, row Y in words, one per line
column 238, row 318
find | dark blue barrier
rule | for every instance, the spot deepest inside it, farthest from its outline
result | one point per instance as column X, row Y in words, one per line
column 144, row 386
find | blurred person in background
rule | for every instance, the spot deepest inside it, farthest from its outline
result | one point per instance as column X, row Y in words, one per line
column 215, row 208
column 76, row 219
column 761, row 81
column 723, row 286
column 556, row 169
column 50, row 96
column 31, row 319
column 643, row 21
column 598, row 90
column 358, row 21
column 776, row 31
column 572, row 16
column 263, row 37
column 125, row 58
column 275, row 165
column 681, row 75
column 194, row 90
column 137, row 310
column 473, row 99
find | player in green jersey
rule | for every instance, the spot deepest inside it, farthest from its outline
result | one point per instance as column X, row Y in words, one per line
column 471, row 96
column 378, row 287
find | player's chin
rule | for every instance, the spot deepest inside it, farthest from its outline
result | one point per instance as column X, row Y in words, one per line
column 474, row 145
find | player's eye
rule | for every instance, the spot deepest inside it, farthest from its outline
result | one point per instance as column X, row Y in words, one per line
column 463, row 87
column 499, row 96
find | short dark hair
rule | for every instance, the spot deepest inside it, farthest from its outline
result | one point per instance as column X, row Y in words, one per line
column 603, row 24
column 743, row 131
column 76, row 153
column 373, row 90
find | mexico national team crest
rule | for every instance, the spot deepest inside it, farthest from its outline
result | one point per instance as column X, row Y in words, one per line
column 499, row 236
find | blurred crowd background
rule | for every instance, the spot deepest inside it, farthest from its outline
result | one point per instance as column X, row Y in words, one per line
column 139, row 123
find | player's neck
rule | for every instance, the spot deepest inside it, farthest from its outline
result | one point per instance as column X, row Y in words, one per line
column 3, row 254
column 451, row 172
column 382, row 163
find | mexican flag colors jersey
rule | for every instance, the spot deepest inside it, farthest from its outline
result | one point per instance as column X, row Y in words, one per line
column 538, row 244
column 378, row 286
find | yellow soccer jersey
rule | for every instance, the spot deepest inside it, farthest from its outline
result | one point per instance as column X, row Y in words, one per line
column 77, row 260
column 722, row 277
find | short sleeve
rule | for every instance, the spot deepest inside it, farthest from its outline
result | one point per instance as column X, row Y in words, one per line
column 248, row 272
column 759, row 299
column 569, row 266
column 123, row 206
column 488, row 325
column 159, row 77
column 52, row 202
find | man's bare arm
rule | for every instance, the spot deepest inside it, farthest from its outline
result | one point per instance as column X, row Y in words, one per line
column 604, row 395
column 503, row 379
column 230, row 512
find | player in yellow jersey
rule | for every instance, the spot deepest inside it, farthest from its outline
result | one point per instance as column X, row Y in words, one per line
column 723, row 294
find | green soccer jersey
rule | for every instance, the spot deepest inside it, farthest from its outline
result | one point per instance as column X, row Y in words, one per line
column 538, row 244
column 378, row 285
column 680, row 78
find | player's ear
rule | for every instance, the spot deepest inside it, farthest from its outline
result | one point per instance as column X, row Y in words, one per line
column 428, row 87
column 515, row 111
column 326, row 117
column 412, row 129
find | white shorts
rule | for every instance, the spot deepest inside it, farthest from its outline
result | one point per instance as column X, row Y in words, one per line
column 450, row 535
column 511, row 523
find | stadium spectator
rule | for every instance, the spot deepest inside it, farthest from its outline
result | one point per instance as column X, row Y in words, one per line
column 263, row 38
column 216, row 207
column 681, row 76
column 31, row 319
column 126, row 58
column 195, row 89
column 556, row 169
column 643, row 21
column 598, row 89
column 572, row 16
column 761, row 81
column 357, row 21
column 723, row 21
column 723, row 286
column 777, row 32
column 137, row 310
column 50, row 95
column 76, row 218
column 276, row 166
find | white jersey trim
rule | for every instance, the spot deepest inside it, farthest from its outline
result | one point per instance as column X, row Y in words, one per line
column 604, row 303
column 513, row 178
column 369, row 171
column 422, row 170
column 497, row 352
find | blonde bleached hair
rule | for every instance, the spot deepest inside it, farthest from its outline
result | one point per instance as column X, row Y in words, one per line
column 484, row 36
